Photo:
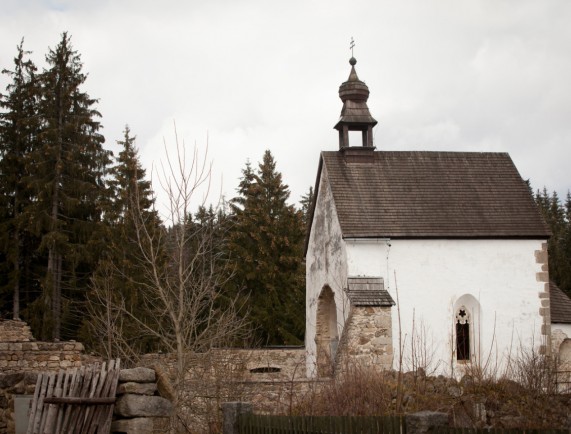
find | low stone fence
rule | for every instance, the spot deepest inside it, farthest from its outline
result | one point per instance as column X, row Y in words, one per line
column 39, row 356
column 20, row 352
column 139, row 409
column 22, row 357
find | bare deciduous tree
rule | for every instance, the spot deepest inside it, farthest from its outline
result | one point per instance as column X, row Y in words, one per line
column 179, row 306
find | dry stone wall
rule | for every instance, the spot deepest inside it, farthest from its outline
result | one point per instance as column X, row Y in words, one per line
column 19, row 352
column 22, row 357
column 139, row 409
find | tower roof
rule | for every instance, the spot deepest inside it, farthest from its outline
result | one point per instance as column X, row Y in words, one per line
column 354, row 93
column 355, row 115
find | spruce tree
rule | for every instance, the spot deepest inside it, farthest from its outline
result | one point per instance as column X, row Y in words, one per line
column 120, row 268
column 557, row 216
column 266, row 245
column 306, row 202
column 19, row 126
column 68, row 183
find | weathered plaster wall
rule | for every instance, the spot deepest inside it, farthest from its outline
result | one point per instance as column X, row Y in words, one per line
column 431, row 275
column 325, row 266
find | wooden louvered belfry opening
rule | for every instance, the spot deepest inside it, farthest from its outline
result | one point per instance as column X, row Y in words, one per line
column 79, row 400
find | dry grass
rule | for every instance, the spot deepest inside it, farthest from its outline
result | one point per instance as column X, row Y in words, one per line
column 522, row 399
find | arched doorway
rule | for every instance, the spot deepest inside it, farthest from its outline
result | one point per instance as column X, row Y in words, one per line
column 565, row 355
column 326, row 332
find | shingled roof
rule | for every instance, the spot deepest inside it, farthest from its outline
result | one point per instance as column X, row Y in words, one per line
column 368, row 291
column 560, row 305
column 430, row 195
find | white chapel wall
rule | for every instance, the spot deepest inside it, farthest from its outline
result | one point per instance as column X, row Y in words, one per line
column 325, row 266
column 431, row 275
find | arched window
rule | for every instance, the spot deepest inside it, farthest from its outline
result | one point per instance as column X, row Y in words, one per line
column 467, row 320
column 462, row 334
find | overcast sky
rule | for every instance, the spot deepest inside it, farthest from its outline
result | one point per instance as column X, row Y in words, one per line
column 251, row 75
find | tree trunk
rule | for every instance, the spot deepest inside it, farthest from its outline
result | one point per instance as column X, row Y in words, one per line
column 55, row 257
column 16, row 301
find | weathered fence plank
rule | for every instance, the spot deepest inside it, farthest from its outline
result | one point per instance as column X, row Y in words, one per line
column 75, row 401
column 264, row 424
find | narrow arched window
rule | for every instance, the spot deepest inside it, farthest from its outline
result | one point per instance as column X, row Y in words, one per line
column 462, row 334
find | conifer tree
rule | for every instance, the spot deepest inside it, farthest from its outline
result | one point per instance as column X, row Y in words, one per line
column 19, row 126
column 306, row 201
column 557, row 216
column 121, row 267
column 68, row 183
column 266, row 245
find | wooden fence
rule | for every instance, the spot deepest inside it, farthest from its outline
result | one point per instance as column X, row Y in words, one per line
column 75, row 401
column 447, row 430
column 262, row 424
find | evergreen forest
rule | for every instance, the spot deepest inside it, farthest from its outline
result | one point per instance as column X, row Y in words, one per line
column 85, row 255
column 83, row 249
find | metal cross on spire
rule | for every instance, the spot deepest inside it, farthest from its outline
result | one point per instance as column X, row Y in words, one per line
column 352, row 45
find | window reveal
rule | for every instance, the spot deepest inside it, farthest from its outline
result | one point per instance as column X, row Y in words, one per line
column 462, row 334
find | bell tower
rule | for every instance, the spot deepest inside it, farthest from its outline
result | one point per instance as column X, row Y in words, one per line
column 355, row 115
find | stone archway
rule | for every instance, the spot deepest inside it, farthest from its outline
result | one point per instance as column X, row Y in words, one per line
column 326, row 337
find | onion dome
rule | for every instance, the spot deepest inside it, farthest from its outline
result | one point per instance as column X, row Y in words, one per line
column 355, row 115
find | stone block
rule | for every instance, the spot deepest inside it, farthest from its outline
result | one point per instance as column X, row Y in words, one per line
column 137, row 425
column 137, row 388
column 138, row 375
column 541, row 256
column 10, row 380
column 425, row 421
column 130, row 405
column 542, row 276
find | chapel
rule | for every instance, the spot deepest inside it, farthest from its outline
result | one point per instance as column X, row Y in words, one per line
column 434, row 260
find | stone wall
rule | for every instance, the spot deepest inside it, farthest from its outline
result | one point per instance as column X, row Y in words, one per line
column 22, row 357
column 367, row 339
column 273, row 379
column 139, row 408
column 15, row 331
column 19, row 352
column 258, row 365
